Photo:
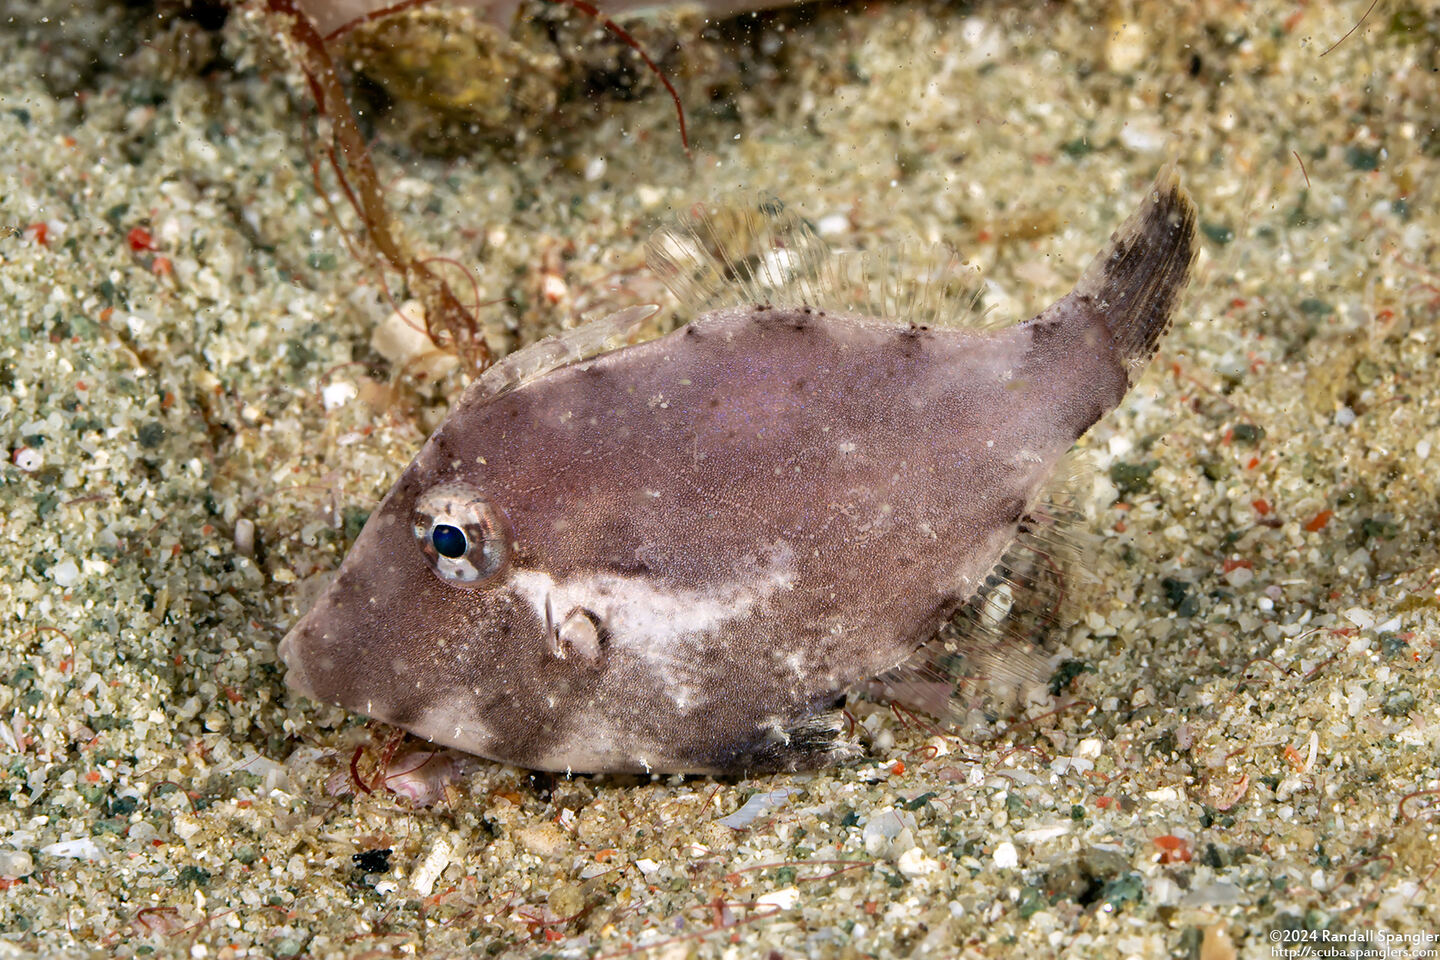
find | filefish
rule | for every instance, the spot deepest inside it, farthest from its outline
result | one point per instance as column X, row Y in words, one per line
column 678, row 555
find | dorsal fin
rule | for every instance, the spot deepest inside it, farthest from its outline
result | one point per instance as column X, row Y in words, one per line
column 588, row 340
column 715, row 256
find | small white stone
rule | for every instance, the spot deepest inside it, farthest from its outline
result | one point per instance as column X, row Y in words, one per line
column 245, row 537
column 757, row 805
column 647, row 866
column 784, row 899
column 1361, row 618
column 1144, row 135
column 428, row 870
column 1006, row 856
column 1127, row 47
column 1045, row 831
column 82, row 849
column 881, row 827
column 1344, row 417
column 914, row 863
column 335, row 395
column 553, row 288
column 65, row 573
column 404, row 340
column 16, row 863
column 833, row 225
column 28, row 459
column 1165, row 891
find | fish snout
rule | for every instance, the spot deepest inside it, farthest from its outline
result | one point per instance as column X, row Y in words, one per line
column 292, row 654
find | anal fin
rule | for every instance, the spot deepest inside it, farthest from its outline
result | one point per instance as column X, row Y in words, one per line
column 995, row 653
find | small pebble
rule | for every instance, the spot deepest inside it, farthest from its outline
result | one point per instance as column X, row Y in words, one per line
column 545, row 840
column 914, row 863
column 566, row 900
column 1126, row 47
column 784, row 899
column 82, row 849
column 16, row 863
column 65, row 573
column 245, row 537
column 28, row 459
column 336, row 395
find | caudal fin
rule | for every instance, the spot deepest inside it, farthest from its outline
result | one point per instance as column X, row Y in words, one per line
column 1136, row 281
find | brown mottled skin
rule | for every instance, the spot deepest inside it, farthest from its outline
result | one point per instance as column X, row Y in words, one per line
column 758, row 511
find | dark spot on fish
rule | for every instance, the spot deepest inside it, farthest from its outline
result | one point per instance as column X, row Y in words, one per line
column 1013, row 510
column 801, row 384
column 691, row 331
column 628, row 565
column 1044, row 331
column 714, row 402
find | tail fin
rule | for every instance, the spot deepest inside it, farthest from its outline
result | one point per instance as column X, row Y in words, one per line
column 1136, row 281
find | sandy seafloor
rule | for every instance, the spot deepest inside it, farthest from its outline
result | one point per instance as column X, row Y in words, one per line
column 1251, row 751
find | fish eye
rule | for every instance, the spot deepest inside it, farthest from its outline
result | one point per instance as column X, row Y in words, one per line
column 449, row 541
column 461, row 535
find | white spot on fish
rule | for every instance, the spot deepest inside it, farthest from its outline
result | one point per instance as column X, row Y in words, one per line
column 663, row 626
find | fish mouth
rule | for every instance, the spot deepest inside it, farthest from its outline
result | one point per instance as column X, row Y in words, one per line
column 295, row 675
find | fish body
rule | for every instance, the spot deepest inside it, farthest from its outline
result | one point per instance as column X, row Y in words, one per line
column 677, row 555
